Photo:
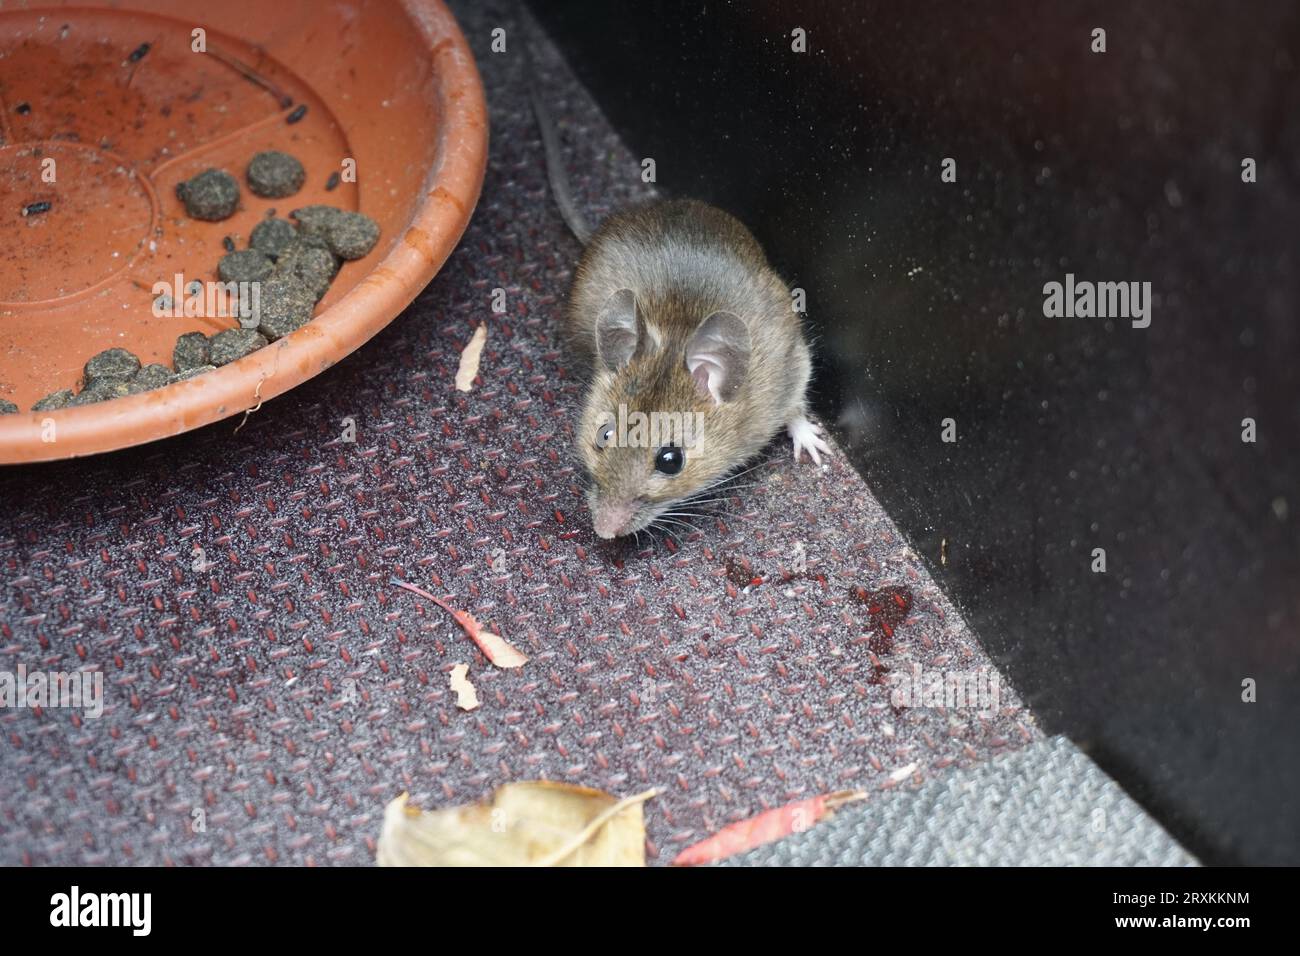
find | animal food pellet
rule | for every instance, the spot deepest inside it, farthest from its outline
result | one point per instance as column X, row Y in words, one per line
column 232, row 344
column 312, row 265
column 285, row 307
column 212, row 195
column 350, row 235
column 191, row 351
column 246, row 265
column 273, row 174
column 194, row 372
column 272, row 236
column 54, row 401
column 150, row 376
column 116, row 365
column 102, row 390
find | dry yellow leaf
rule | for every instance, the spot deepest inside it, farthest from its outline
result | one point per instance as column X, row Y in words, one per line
column 466, row 696
column 469, row 359
column 534, row 823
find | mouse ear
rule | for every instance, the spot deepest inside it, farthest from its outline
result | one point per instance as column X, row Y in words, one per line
column 717, row 356
column 620, row 330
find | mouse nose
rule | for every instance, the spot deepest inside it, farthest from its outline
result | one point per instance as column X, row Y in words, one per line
column 611, row 517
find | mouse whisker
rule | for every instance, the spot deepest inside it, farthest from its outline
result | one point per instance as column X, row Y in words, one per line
column 720, row 482
column 715, row 489
column 725, row 479
column 722, row 495
column 674, row 517
column 690, row 529
column 706, row 514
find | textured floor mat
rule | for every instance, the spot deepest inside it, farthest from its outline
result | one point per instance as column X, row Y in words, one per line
column 1046, row 805
column 267, row 690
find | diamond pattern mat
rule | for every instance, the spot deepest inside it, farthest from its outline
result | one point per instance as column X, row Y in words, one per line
column 267, row 690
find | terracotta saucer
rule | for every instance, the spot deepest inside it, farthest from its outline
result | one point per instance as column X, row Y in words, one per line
column 104, row 108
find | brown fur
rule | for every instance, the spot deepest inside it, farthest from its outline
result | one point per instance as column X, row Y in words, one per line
column 683, row 260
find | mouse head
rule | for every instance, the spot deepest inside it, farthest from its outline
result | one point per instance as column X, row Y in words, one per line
column 659, row 416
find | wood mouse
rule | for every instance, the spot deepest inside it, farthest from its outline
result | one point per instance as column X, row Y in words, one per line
column 680, row 320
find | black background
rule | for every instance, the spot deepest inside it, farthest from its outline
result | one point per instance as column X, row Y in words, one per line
column 234, row 906
column 1073, row 433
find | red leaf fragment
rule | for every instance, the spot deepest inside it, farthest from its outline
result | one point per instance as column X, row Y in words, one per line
column 766, row 827
column 493, row 646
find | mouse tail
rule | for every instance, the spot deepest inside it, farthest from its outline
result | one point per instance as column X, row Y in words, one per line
column 554, row 159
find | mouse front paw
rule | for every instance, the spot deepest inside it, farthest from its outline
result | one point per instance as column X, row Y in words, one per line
column 807, row 437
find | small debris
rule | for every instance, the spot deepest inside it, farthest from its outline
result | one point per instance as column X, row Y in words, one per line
column 257, row 394
column 296, row 115
column 902, row 773
column 228, row 244
column 22, row 109
column 274, row 175
column 138, row 53
column 191, row 351
column 36, row 208
column 248, row 73
column 469, row 359
column 332, row 183
column 211, row 196
column 233, row 344
column 9, row 408
column 466, row 696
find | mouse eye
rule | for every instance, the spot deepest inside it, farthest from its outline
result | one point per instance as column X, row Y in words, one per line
column 670, row 459
column 604, row 436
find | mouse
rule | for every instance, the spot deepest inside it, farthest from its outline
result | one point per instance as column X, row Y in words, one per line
column 695, row 356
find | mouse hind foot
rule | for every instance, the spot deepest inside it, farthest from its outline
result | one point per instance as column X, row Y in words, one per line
column 806, row 436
